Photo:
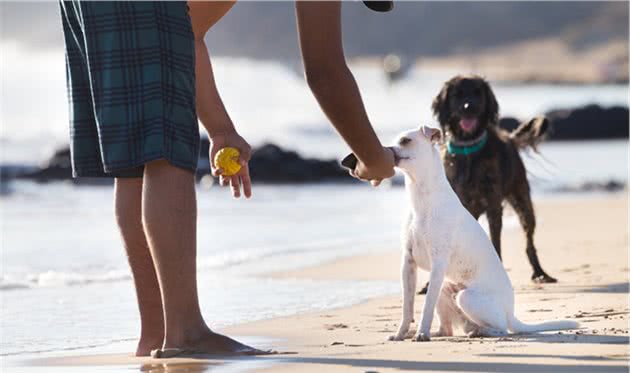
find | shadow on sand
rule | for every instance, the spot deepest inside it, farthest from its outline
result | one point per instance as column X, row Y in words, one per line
column 209, row 363
column 620, row 288
column 585, row 363
column 375, row 364
column 568, row 357
column 561, row 337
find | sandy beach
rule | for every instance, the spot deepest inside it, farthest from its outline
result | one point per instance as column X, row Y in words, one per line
column 94, row 270
column 583, row 241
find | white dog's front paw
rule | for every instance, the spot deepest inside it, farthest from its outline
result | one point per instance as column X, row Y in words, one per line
column 396, row 337
column 400, row 334
column 422, row 337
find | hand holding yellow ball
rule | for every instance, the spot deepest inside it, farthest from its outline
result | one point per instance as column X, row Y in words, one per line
column 227, row 159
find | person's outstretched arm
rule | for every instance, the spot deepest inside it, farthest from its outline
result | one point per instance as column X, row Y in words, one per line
column 210, row 108
column 334, row 87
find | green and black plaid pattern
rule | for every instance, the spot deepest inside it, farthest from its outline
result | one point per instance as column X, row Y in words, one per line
column 131, row 86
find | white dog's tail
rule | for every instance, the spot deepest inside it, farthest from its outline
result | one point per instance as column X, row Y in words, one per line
column 518, row 327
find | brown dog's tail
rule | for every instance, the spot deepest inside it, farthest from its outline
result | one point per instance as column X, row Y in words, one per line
column 530, row 134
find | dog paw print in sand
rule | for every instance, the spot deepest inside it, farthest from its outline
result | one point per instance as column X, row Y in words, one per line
column 605, row 314
column 335, row 326
column 595, row 316
column 390, row 307
column 614, row 331
column 338, row 343
column 385, row 330
column 583, row 267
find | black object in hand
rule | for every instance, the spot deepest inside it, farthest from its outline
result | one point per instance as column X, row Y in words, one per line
column 350, row 161
column 380, row 6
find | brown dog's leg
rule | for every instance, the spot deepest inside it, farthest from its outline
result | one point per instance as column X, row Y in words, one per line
column 522, row 204
column 495, row 222
column 424, row 290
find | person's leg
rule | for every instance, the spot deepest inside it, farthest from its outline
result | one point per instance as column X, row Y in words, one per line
column 169, row 215
column 128, row 209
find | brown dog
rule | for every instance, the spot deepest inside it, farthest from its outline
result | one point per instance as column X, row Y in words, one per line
column 482, row 162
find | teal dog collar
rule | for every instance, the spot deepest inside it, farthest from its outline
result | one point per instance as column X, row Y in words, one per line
column 468, row 147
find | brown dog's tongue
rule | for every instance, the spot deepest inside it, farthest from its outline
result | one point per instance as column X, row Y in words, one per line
column 468, row 124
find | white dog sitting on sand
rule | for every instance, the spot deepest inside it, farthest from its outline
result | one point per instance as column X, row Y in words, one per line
column 468, row 283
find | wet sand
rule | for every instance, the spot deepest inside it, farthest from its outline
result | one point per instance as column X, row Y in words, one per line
column 581, row 241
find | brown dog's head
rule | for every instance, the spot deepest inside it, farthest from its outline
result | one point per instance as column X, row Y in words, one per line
column 466, row 106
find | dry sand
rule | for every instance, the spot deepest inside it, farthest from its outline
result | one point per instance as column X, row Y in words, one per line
column 542, row 60
column 583, row 242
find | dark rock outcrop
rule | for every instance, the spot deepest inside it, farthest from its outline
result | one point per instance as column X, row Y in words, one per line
column 272, row 164
column 57, row 167
column 591, row 122
column 609, row 186
column 269, row 164
column 509, row 123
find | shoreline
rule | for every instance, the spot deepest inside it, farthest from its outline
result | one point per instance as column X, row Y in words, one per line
column 598, row 300
column 594, row 293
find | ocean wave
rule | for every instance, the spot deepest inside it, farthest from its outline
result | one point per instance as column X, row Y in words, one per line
column 13, row 285
column 55, row 278
column 229, row 259
column 67, row 349
column 52, row 278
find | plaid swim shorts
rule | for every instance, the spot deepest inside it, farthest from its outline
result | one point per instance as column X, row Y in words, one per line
column 131, row 86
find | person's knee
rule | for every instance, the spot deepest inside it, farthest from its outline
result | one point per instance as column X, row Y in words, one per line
column 164, row 168
column 127, row 183
column 127, row 201
column 158, row 164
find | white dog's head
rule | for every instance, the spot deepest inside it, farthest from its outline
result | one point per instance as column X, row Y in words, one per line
column 416, row 148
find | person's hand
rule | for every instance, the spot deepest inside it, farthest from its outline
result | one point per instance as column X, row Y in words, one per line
column 383, row 168
column 234, row 140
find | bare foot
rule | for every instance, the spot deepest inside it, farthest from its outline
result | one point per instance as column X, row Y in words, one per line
column 211, row 343
column 145, row 347
column 148, row 344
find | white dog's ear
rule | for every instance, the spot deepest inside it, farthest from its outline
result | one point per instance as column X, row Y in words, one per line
column 433, row 134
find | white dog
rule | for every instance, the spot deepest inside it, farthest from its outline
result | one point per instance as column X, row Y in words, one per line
column 468, row 283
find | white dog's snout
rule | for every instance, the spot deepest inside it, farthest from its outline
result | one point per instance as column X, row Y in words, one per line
column 398, row 154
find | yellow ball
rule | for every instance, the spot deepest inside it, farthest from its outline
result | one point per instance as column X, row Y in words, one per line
column 227, row 160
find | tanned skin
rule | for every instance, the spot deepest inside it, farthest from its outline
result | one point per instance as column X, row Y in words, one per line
column 327, row 74
column 157, row 213
column 334, row 87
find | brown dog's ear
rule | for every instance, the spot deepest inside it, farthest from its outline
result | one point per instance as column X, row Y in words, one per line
column 492, row 106
column 440, row 103
column 433, row 134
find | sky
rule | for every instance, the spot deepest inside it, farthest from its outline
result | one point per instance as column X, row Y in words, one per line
column 33, row 69
column 33, row 101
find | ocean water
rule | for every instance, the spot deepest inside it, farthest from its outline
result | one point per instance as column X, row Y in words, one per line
column 267, row 101
column 65, row 285
column 65, row 282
